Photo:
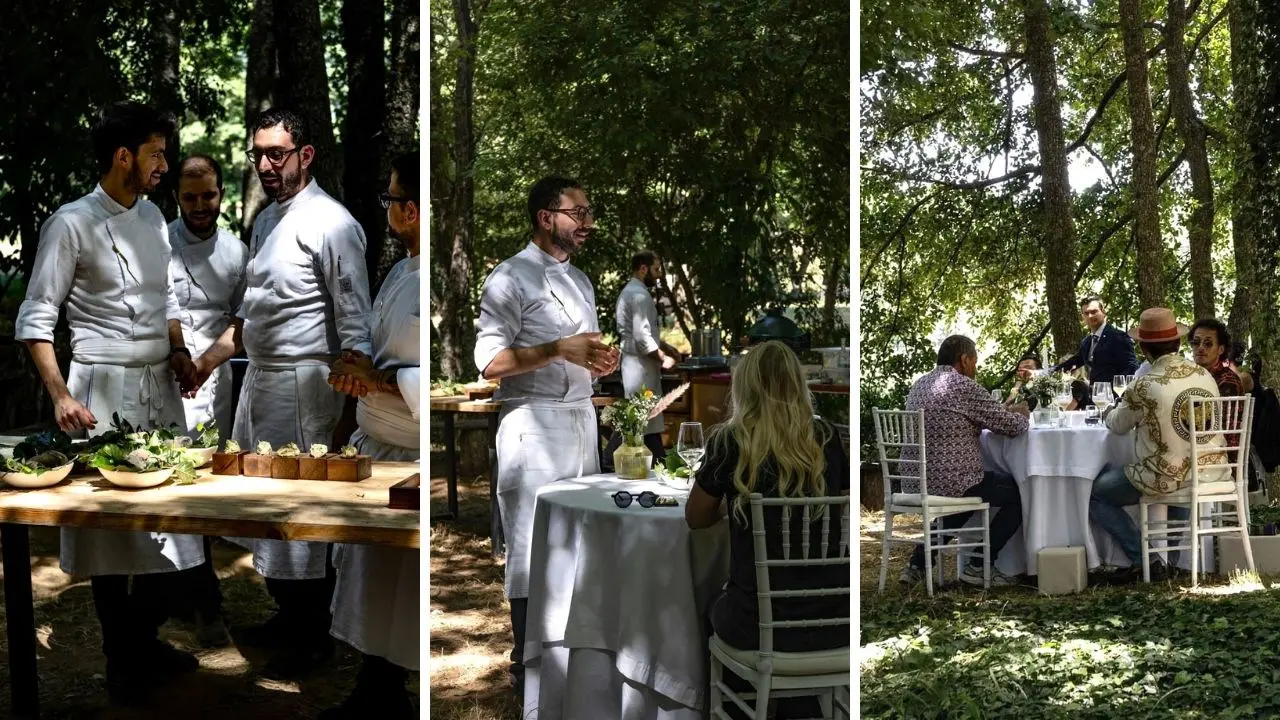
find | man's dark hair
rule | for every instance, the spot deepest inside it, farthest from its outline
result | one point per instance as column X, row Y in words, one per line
column 1032, row 357
column 127, row 125
column 407, row 171
column 1219, row 327
column 954, row 348
column 197, row 158
column 545, row 194
column 644, row 258
column 292, row 122
column 1084, row 302
column 1160, row 349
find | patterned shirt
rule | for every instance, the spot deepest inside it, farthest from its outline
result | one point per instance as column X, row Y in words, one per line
column 1156, row 407
column 956, row 410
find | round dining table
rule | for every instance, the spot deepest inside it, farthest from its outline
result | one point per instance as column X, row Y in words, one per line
column 1055, row 469
column 618, row 601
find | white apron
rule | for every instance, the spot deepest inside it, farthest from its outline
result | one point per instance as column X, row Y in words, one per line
column 208, row 280
column 376, row 603
column 287, row 403
column 109, row 267
column 396, row 340
column 637, row 318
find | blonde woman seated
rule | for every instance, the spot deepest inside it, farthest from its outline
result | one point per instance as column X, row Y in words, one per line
column 772, row 444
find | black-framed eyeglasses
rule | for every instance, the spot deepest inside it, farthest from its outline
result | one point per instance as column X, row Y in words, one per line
column 579, row 214
column 647, row 499
column 276, row 156
column 385, row 199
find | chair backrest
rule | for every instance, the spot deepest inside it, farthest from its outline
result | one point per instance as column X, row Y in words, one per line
column 814, row 555
column 899, row 433
column 1220, row 430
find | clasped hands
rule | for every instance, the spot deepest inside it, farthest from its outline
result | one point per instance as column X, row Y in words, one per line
column 190, row 374
column 354, row 374
column 586, row 350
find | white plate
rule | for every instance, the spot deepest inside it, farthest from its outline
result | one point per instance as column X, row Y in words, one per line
column 201, row 456
column 673, row 481
column 136, row 480
column 43, row 480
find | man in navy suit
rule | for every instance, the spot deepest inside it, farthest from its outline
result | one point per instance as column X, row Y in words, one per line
column 1106, row 351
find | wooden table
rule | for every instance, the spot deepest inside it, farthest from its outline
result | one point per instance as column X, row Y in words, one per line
column 213, row 505
column 490, row 408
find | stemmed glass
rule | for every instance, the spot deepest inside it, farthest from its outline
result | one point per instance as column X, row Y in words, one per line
column 1102, row 396
column 689, row 445
column 1120, row 382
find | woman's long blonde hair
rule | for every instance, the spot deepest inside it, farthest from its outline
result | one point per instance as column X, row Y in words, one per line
column 772, row 415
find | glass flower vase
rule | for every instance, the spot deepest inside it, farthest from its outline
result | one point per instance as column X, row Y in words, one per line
column 632, row 460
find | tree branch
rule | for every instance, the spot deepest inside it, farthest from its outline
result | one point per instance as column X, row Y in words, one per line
column 971, row 185
column 902, row 226
column 985, row 53
column 1116, row 83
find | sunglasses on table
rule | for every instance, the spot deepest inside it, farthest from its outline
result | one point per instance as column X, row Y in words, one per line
column 647, row 499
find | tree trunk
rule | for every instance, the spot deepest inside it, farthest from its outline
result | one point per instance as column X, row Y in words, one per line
column 1191, row 130
column 1244, row 215
column 1059, row 228
column 304, row 86
column 1265, row 146
column 166, row 95
column 259, row 94
column 403, row 104
column 461, row 241
column 364, row 176
column 1146, row 200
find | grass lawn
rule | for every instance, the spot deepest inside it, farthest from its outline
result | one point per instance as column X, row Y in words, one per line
column 1141, row 651
column 470, row 621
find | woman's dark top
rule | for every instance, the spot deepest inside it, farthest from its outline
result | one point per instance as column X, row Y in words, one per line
column 735, row 614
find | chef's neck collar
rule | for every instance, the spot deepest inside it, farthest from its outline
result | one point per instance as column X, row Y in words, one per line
column 415, row 262
column 112, row 205
column 308, row 189
column 545, row 257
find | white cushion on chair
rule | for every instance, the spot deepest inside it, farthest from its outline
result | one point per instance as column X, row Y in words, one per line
column 818, row 662
column 1216, row 488
column 915, row 499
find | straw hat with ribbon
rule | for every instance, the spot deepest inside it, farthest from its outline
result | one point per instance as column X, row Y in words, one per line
column 1156, row 325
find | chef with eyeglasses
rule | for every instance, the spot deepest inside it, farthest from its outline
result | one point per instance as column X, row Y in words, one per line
column 539, row 333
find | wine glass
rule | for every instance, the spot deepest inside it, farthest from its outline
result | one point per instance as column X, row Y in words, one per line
column 1102, row 397
column 689, row 445
column 1120, row 382
column 997, row 395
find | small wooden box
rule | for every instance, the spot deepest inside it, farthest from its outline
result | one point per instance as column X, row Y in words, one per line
column 284, row 468
column 229, row 463
column 310, row 468
column 350, row 469
column 406, row 494
column 255, row 465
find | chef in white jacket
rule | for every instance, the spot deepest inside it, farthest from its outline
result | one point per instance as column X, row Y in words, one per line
column 644, row 355
column 105, row 258
column 376, row 602
column 208, row 278
column 306, row 300
column 208, row 268
column 539, row 333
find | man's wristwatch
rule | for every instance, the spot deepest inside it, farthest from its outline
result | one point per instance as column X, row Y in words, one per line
column 180, row 349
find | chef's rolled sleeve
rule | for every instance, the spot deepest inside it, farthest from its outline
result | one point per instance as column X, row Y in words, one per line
column 499, row 321
column 50, row 281
column 347, row 278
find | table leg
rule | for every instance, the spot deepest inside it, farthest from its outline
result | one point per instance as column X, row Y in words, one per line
column 451, row 459
column 20, row 621
column 496, row 541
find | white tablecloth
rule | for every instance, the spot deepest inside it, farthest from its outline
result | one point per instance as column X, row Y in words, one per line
column 1055, row 469
column 617, row 604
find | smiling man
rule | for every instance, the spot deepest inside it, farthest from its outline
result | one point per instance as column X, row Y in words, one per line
column 105, row 259
column 539, row 332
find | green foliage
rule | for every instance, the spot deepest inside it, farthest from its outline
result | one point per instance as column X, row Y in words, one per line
column 209, row 434
column 1104, row 654
column 630, row 416
column 126, row 449
column 38, row 464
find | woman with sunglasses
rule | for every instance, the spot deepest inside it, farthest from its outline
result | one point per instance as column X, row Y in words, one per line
column 774, row 445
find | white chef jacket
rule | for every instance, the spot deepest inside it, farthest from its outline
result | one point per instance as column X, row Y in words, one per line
column 208, row 279
column 547, row 429
column 306, row 299
column 387, row 418
column 109, row 265
column 637, row 317
column 376, row 600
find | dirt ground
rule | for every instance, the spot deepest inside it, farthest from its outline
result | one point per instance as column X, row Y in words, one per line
column 227, row 685
column 470, row 622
